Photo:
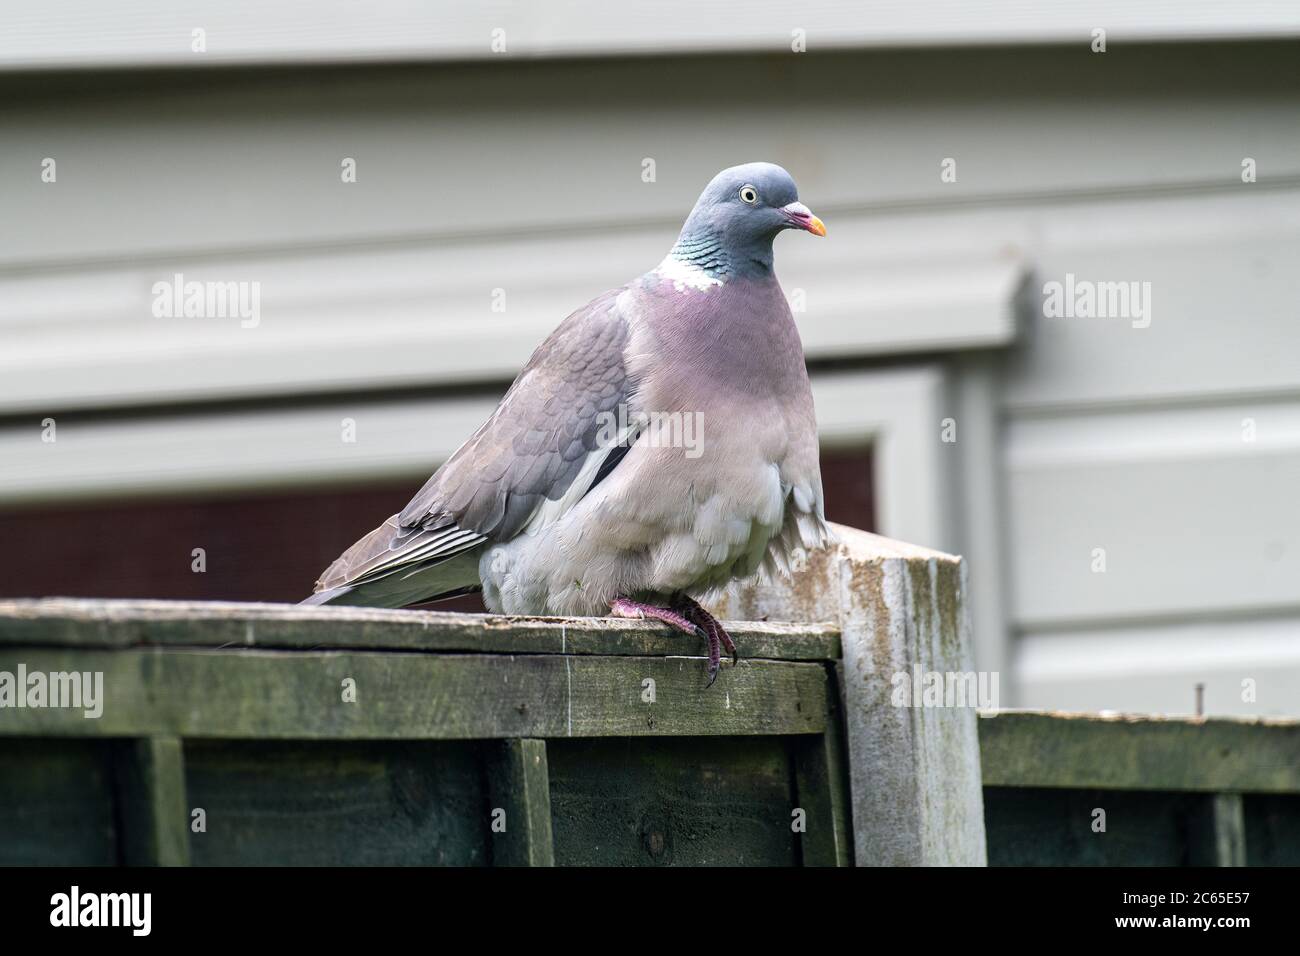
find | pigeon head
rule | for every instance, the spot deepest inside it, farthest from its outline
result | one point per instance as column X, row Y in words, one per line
column 730, row 230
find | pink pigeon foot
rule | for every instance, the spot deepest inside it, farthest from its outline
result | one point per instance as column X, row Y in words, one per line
column 681, row 619
column 694, row 612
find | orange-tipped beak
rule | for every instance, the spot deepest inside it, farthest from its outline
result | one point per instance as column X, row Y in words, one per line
column 801, row 217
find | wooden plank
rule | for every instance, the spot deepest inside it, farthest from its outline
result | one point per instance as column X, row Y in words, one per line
column 56, row 803
column 821, row 790
column 698, row 801
column 1217, row 831
column 1057, row 827
column 300, row 694
column 818, row 776
column 72, row 622
column 519, row 788
column 339, row 803
column 154, row 814
column 1021, row 749
column 1272, row 829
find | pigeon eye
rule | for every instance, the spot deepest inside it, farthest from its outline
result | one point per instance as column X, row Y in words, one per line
column 748, row 194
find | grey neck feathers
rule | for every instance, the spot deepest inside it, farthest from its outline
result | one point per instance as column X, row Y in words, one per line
column 706, row 251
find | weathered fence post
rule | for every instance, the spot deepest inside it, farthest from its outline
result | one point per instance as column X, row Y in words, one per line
column 914, row 767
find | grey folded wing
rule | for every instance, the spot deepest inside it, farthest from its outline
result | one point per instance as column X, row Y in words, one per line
column 544, row 447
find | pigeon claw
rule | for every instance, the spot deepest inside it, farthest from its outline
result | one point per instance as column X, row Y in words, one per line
column 686, row 616
column 714, row 633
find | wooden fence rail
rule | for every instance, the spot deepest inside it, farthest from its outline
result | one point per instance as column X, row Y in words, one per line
column 1170, row 791
column 245, row 733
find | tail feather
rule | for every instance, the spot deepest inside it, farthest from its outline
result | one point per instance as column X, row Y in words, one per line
column 443, row 579
column 328, row 596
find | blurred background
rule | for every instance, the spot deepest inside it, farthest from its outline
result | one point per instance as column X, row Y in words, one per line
column 422, row 191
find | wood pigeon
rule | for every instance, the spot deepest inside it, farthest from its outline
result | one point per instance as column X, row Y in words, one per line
column 658, row 445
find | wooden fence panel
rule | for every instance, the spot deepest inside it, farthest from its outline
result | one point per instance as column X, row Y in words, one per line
column 1132, row 790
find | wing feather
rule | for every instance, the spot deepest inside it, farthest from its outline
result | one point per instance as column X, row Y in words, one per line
column 542, row 449
column 539, row 438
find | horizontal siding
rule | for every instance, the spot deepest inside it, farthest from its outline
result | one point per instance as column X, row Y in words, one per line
column 232, row 161
column 1224, row 299
column 472, row 179
column 1250, row 666
column 1175, row 448
column 133, row 32
column 1191, row 518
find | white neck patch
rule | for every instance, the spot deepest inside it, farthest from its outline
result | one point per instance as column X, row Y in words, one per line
column 684, row 275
